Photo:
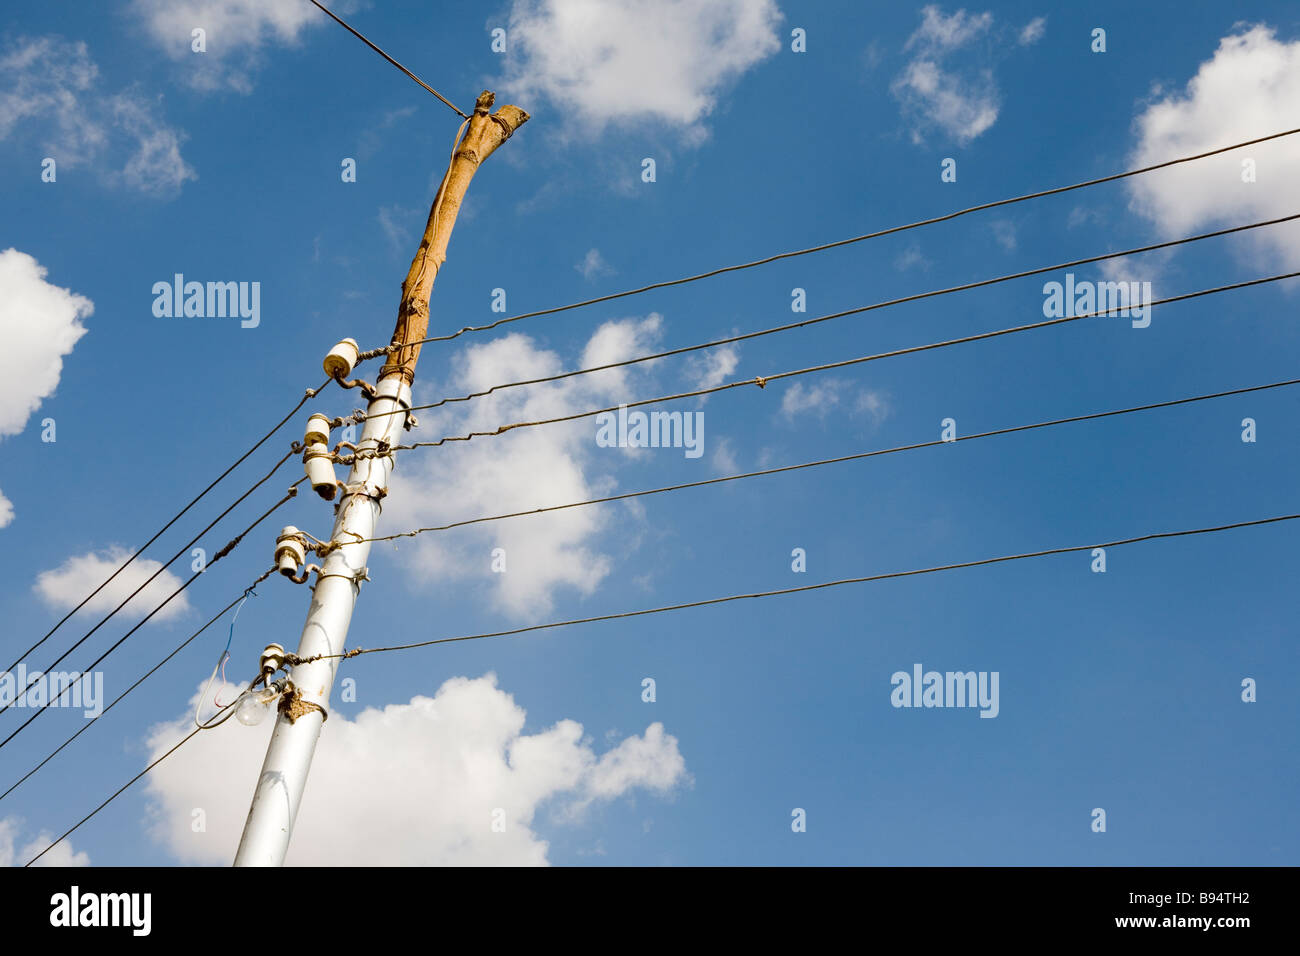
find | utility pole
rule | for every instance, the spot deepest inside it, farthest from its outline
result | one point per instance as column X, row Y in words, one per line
column 302, row 713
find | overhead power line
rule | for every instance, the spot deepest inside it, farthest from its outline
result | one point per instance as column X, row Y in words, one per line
column 373, row 353
column 310, row 393
column 147, row 674
column 887, row 303
column 234, row 543
column 126, row 786
column 845, row 458
column 339, row 20
column 295, row 660
column 130, row 597
column 762, row 380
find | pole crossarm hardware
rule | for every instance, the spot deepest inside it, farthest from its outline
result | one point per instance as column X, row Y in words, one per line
column 280, row 786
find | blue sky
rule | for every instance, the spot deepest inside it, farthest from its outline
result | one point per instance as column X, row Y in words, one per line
column 1119, row 690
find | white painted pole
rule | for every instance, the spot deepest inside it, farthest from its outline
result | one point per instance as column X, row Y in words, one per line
column 293, row 743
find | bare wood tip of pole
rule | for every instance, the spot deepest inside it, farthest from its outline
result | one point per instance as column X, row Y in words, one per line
column 513, row 116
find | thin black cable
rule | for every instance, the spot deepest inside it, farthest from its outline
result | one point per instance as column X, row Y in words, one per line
column 148, row 581
column 310, row 393
column 121, row 790
column 762, row 380
column 149, row 673
column 842, row 242
column 844, row 458
column 294, row 659
column 372, row 46
column 887, row 303
column 230, row 546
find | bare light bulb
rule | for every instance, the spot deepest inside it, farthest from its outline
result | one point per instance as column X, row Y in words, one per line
column 255, row 705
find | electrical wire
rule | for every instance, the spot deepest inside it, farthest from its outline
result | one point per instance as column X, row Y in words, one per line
column 450, row 105
column 147, row 674
column 887, row 303
column 310, row 393
column 76, row 826
column 762, row 380
column 149, row 580
column 846, row 458
column 224, row 713
column 230, row 546
column 221, row 661
column 293, row 659
column 844, row 242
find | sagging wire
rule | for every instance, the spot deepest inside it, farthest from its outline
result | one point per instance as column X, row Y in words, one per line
column 226, row 710
column 876, row 234
column 227, row 549
column 763, row 380
column 859, row 310
column 271, row 661
column 221, row 667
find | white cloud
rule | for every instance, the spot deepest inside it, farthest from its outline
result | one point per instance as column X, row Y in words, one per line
column 1004, row 231
column 713, row 366
column 603, row 61
column 156, row 164
column 938, row 32
column 371, row 140
column 874, row 405
column 1033, row 31
column 1083, row 215
column 963, row 102
column 593, row 265
column 237, row 30
column 399, row 225
column 40, row 322
column 909, row 257
column 53, row 86
column 48, row 76
column 820, row 398
column 1247, row 89
column 724, row 457
column 15, row 853
column 409, row 784
column 64, row 587
column 1148, row 267
column 651, row 761
column 614, row 342
column 520, row 470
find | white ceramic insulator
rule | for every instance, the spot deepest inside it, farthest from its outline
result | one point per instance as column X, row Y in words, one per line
column 320, row 470
column 341, row 359
column 318, row 430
